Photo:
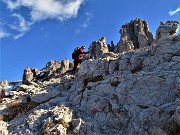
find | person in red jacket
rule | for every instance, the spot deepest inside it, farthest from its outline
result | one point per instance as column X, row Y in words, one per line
column 78, row 58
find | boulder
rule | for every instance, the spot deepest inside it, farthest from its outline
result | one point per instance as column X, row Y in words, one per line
column 29, row 75
column 97, row 48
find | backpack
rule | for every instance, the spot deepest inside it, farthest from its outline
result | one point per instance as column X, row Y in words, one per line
column 75, row 52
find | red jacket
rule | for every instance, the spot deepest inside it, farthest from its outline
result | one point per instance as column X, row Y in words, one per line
column 80, row 54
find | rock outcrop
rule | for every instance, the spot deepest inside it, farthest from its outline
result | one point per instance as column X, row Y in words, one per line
column 3, row 128
column 29, row 75
column 134, row 35
column 52, row 69
column 131, row 93
column 55, row 68
column 4, row 84
column 97, row 48
column 166, row 29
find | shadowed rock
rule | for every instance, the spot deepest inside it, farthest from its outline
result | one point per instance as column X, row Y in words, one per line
column 29, row 75
column 134, row 35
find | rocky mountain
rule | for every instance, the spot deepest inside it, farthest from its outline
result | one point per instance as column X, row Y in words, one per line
column 132, row 88
column 134, row 35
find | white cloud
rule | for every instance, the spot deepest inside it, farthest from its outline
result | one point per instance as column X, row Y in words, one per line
column 174, row 12
column 89, row 15
column 84, row 25
column 77, row 31
column 40, row 10
column 86, row 22
column 21, row 25
column 44, row 9
column 19, row 35
column 3, row 34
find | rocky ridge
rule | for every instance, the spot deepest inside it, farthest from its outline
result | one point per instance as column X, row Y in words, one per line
column 134, row 35
column 134, row 90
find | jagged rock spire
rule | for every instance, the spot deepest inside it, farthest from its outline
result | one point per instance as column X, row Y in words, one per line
column 134, row 34
column 135, row 92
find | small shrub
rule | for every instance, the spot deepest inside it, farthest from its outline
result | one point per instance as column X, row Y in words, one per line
column 2, row 118
column 92, row 79
column 45, row 130
column 17, row 107
column 30, row 106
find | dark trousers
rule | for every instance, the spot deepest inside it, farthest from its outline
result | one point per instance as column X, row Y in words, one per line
column 76, row 62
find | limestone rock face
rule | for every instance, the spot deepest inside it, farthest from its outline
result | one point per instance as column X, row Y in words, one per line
column 166, row 29
column 134, row 35
column 29, row 75
column 100, row 67
column 64, row 66
column 4, row 84
column 130, row 93
column 97, row 48
column 51, row 68
column 54, row 68
column 55, row 120
column 143, row 75
column 3, row 128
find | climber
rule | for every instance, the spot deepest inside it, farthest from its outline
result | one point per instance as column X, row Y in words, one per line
column 78, row 58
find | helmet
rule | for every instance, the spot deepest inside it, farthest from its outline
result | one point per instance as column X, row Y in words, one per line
column 83, row 47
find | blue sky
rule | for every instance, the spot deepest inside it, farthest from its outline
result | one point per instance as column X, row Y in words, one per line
column 33, row 32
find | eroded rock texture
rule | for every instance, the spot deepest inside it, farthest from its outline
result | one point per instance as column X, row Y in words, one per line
column 134, row 35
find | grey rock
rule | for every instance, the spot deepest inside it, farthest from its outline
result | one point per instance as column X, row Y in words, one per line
column 97, row 48
column 176, row 116
column 3, row 128
column 29, row 75
column 55, row 68
column 99, row 65
column 4, row 84
column 129, row 93
column 134, row 35
column 166, row 29
column 77, row 123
